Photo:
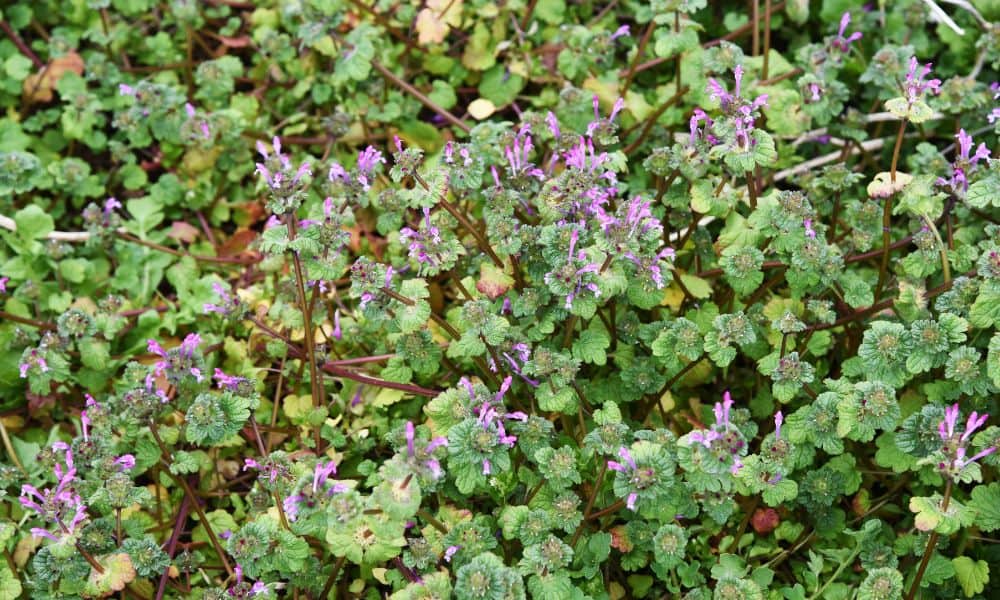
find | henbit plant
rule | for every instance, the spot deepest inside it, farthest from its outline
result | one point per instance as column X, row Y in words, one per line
column 569, row 301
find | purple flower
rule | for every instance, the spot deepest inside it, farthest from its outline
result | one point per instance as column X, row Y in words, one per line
column 810, row 232
column 3, row 284
column 699, row 116
column 964, row 163
column 423, row 244
column 553, row 123
column 778, row 420
column 243, row 589
column 915, row 85
column 269, row 469
column 125, row 462
column 178, row 361
column 32, row 359
column 597, row 122
column 450, row 552
column 954, row 445
column 110, row 205
column 367, row 161
column 337, row 333
column 733, row 103
column 321, row 473
column 841, row 43
column 517, row 156
column 229, row 302
column 621, row 31
column 126, row 90
column 284, row 174
column 576, row 274
column 516, row 363
column 60, row 505
column 228, row 382
column 630, row 468
column 652, row 264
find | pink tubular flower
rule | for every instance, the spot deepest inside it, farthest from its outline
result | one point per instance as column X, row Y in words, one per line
column 778, row 420
column 60, row 505
column 733, row 103
column 228, row 305
column 954, row 445
column 367, row 161
column 33, row 360
column 337, row 333
column 574, row 275
column 450, row 552
column 810, row 232
column 964, row 164
column 629, row 467
column 517, row 156
column 125, row 462
column 915, row 85
column 841, row 43
column 597, row 122
column 620, row 32
column 699, row 116
column 553, row 123
column 3, row 284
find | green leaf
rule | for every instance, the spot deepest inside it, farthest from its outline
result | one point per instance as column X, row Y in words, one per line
column 94, row 353
column 591, row 345
column 986, row 191
column 184, row 463
column 33, row 222
column 75, row 270
column 551, row 11
column 972, row 575
column 17, row 67
column 10, row 585
column 986, row 502
column 985, row 311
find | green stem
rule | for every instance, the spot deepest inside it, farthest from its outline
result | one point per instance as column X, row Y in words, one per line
column 423, row 514
column 306, row 306
column 843, row 565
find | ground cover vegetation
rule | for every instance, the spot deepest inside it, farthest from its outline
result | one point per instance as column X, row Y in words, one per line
column 498, row 300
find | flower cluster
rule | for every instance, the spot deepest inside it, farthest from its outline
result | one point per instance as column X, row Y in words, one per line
column 955, row 444
column 180, row 362
column 61, row 505
column 723, row 441
column 964, row 164
column 285, row 183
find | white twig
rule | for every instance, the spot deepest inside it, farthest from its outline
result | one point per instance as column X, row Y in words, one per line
column 942, row 16
column 59, row 236
column 971, row 9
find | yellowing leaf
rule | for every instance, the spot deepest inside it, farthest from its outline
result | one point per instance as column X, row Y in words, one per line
column 118, row 572
column 296, row 407
column 882, row 186
column 387, row 396
column 434, row 21
column 698, row 287
column 481, row 108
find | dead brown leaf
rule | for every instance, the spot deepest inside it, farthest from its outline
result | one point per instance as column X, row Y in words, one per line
column 38, row 86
